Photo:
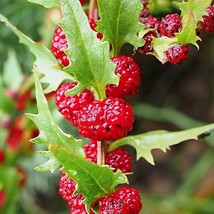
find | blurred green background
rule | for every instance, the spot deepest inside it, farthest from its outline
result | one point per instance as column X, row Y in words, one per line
column 170, row 97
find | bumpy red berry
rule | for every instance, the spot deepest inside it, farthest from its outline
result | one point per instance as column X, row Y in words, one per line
column 129, row 73
column 67, row 187
column 119, row 159
column 69, row 106
column 170, row 25
column 90, row 151
column 208, row 20
column 59, row 45
column 177, row 54
column 107, row 119
column 148, row 42
column 144, row 15
column 125, row 200
column 152, row 22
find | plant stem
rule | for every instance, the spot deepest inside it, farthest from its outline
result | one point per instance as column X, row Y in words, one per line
column 93, row 11
column 100, row 153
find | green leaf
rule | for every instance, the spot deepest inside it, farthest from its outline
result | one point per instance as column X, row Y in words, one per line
column 160, row 139
column 49, row 131
column 161, row 45
column 12, row 69
column 47, row 3
column 93, row 180
column 45, row 60
column 90, row 61
column 188, row 33
column 198, row 8
column 51, row 164
column 119, row 22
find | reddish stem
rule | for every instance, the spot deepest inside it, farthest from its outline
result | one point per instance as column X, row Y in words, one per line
column 93, row 10
column 100, row 153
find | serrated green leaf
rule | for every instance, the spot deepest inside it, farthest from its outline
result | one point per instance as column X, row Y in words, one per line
column 160, row 139
column 45, row 61
column 161, row 45
column 12, row 69
column 90, row 61
column 47, row 3
column 93, row 180
column 198, row 8
column 119, row 22
column 49, row 131
column 188, row 33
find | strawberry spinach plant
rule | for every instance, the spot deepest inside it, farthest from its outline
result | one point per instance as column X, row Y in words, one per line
column 91, row 81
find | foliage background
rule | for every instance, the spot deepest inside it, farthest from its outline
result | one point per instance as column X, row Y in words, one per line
column 171, row 97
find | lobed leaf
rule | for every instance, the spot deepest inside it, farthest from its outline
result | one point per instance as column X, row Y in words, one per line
column 160, row 139
column 188, row 33
column 198, row 8
column 161, row 45
column 45, row 61
column 90, row 60
column 93, row 180
column 119, row 22
column 49, row 131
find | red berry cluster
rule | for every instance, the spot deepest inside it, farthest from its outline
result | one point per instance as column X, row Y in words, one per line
column 158, row 27
column 168, row 26
column 100, row 120
column 126, row 197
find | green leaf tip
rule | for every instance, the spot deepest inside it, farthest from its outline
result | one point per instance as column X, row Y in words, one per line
column 90, row 60
column 49, row 131
column 160, row 139
column 119, row 23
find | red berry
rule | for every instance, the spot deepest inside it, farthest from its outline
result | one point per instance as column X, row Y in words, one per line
column 170, row 25
column 152, row 22
column 90, row 151
column 148, row 42
column 119, row 159
column 125, row 200
column 22, row 99
column 129, row 73
column 58, row 45
column 208, row 20
column 177, row 54
column 144, row 15
column 67, row 187
column 68, row 105
column 93, row 26
column 109, row 119
column 15, row 135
